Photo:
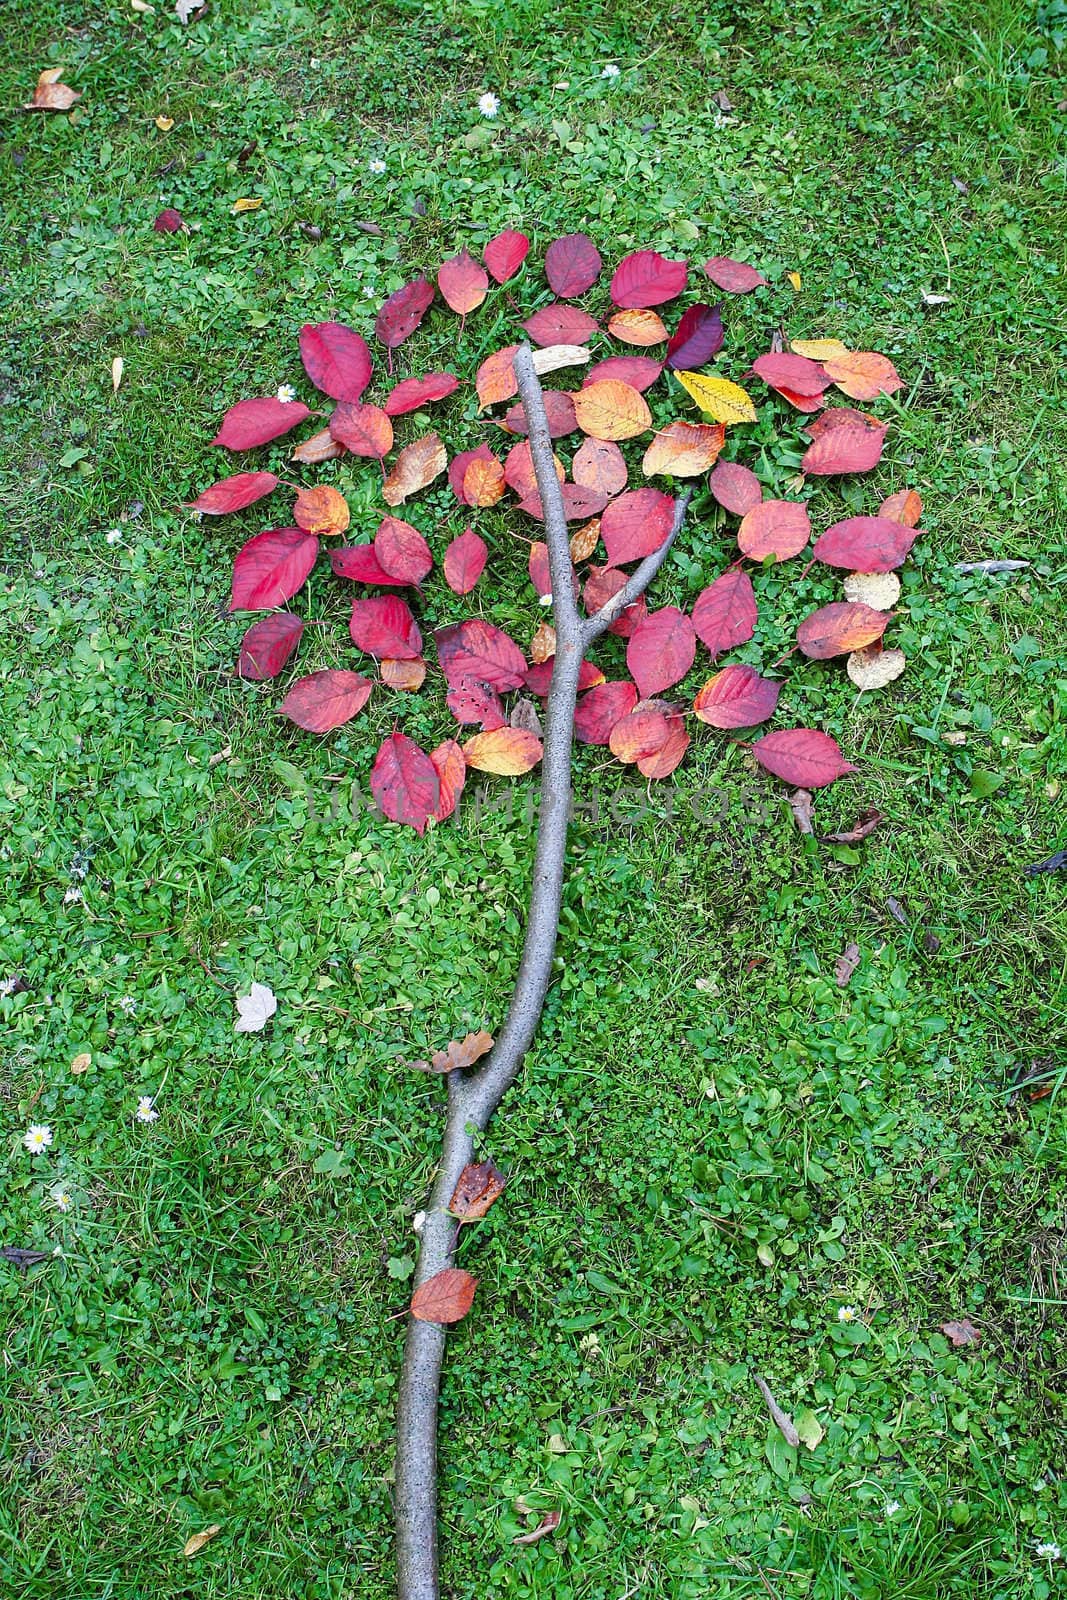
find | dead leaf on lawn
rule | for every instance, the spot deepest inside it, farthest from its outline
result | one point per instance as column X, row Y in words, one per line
column 460, row 1053
column 51, row 95
column 194, row 1545
column 846, row 964
column 548, row 1524
column 961, row 1333
column 479, row 1185
column 859, row 830
column 800, row 804
column 81, row 1063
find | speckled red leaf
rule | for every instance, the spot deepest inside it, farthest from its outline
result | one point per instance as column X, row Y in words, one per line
column 413, row 393
column 405, row 784
column 539, row 676
column 559, row 409
column 448, row 1295
column 737, row 697
column 783, row 370
column 841, row 417
column 477, row 649
column 336, row 359
column 736, row 277
column 636, row 524
column 836, row 629
column 365, row 430
column 640, row 372
column 253, row 422
column 384, row 626
column 599, row 709
column 471, row 701
column 599, row 464
column 505, row 254
column 736, row 488
column 778, row 528
column 865, row 544
column 401, row 551
column 463, row 282
column 847, row 449
column 270, row 568
column 558, row 324
column 359, row 562
column 267, row 646
column 324, row 700
column 803, row 757
column 579, row 503
column 661, row 650
column 447, row 761
column 725, row 613
column 403, row 311
column 233, row 494
column 698, row 337
column 572, row 265
column 646, row 278
column 465, row 561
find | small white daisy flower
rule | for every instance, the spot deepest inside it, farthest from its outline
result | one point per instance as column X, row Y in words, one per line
column 286, row 394
column 72, row 896
column 376, row 165
column 1049, row 1551
column 610, row 71
column 37, row 1138
column 892, row 1508
column 369, row 293
column 8, row 987
column 62, row 1199
column 488, row 105
column 146, row 1111
column 114, row 536
column 128, row 1004
column 847, row 1313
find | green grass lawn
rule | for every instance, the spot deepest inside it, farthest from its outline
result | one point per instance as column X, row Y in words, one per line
column 713, row 1149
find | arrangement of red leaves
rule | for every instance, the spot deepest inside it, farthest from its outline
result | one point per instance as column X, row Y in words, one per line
column 604, row 363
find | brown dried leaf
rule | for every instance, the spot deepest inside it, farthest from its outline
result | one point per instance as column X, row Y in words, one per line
column 416, row 466
column 446, row 1297
column 194, row 1545
column 462, row 1053
column 479, row 1185
column 846, row 964
column 543, row 644
column 800, row 804
column 548, row 1524
column 859, row 830
column 961, row 1333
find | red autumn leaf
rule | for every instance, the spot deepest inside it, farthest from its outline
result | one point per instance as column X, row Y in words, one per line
column 539, row 676
column 865, row 544
column 645, row 279
column 519, row 470
column 579, row 503
column 640, row 372
column 559, row 324
column 267, row 646
column 601, row 708
column 670, row 754
column 253, row 422
column 507, row 752
column 905, row 506
column 599, row 464
column 403, row 311
column 636, row 524
column 457, row 468
column 359, row 562
column 559, row 409
column 505, row 254
column 336, row 359
column 836, row 629
column 848, row 449
column 365, row 430
column 447, row 1296
column 725, row 613
column 384, row 626
column 401, row 551
column 661, row 650
column 233, row 494
column 697, row 338
column 736, row 277
column 778, row 528
column 842, row 417
column 602, row 585
column 325, row 700
column 572, row 265
column 538, row 568
column 736, row 488
column 799, row 402
column 479, row 1184
column 270, row 568
column 169, row 221
column 447, row 761
column 463, row 282
column 405, row 784
column 470, row 700
column 783, row 370
column 638, row 735
column 477, row 649
column 413, row 393
column 495, row 379
column 961, row 1333
column 803, row 757
column 737, row 697
column 465, row 561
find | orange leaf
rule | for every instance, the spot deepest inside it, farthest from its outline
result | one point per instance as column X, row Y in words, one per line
column 483, row 482
column 51, row 95
column 495, row 379
column 416, row 466
column 836, row 629
column 905, row 506
column 862, row 374
column 321, row 510
column 365, row 430
column 611, row 409
column 585, row 540
column 447, row 761
column 684, row 449
column 504, row 751
column 640, row 328
column 778, row 528
column 402, row 674
column 462, row 1053
column 479, row 1185
column 543, row 644
column 320, row 447
column 463, row 282
column 639, row 735
column 446, row 1297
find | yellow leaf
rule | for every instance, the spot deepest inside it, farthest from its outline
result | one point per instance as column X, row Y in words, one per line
column 194, row 1545
column 81, row 1063
column 818, row 349
column 794, row 278
column 504, row 751
column 164, row 124
column 718, row 397
column 117, row 369
column 246, row 205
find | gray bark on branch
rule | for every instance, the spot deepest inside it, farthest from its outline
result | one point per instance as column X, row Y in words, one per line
column 473, row 1097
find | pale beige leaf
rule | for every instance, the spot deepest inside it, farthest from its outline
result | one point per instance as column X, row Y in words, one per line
column 543, row 644
column 416, row 466
column 554, row 356
column 874, row 667
column 81, row 1063
column 194, row 1545
column 879, row 590
column 118, row 366
column 818, row 349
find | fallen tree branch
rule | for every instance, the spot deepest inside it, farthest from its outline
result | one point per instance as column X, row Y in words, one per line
column 474, row 1096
